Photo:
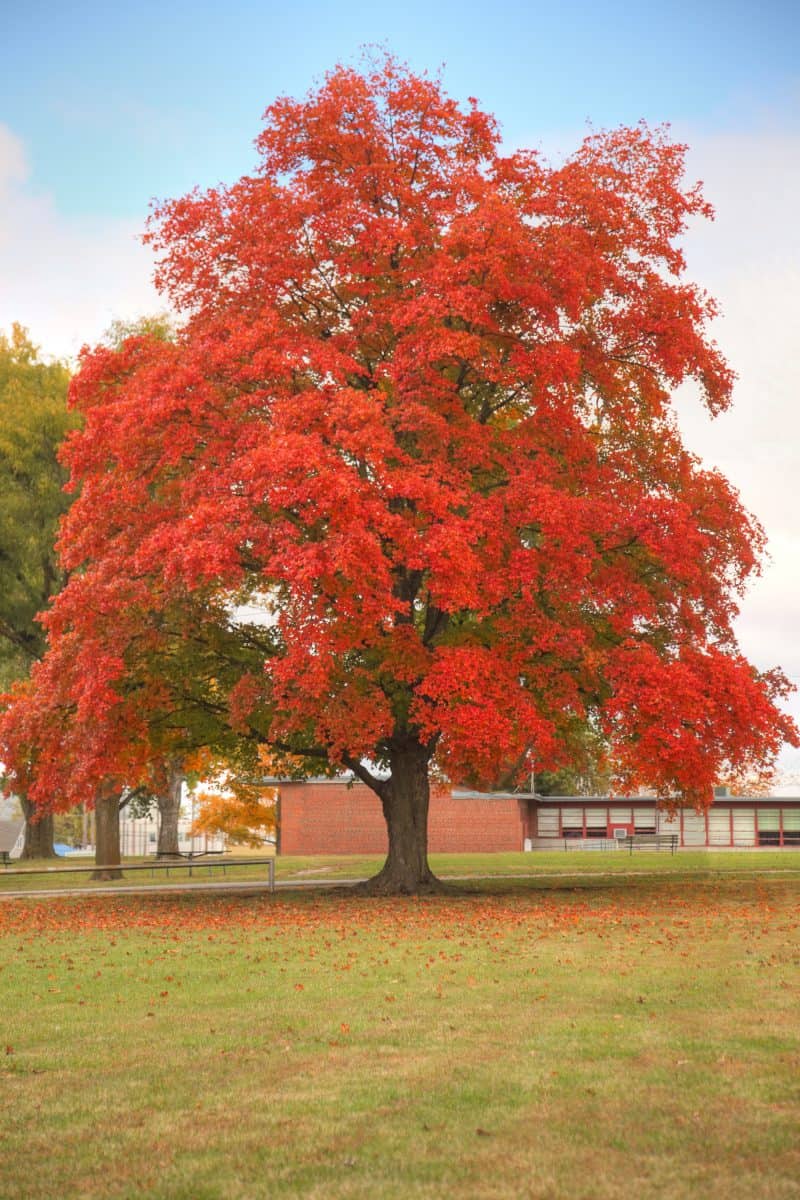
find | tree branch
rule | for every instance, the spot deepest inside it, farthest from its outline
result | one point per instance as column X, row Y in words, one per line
column 378, row 786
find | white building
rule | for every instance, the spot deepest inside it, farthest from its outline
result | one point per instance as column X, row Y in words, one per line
column 138, row 836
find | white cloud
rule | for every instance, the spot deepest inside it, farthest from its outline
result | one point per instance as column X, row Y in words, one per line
column 750, row 260
column 65, row 278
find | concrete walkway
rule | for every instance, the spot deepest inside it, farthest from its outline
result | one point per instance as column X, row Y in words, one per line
column 256, row 886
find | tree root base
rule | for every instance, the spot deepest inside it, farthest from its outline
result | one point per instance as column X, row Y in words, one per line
column 391, row 883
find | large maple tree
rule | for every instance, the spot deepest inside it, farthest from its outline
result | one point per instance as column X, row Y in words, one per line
column 418, row 417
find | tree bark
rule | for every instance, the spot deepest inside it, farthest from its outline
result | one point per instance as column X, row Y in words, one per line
column 107, row 849
column 405, row 798
column 169, row 807
column 38, row 832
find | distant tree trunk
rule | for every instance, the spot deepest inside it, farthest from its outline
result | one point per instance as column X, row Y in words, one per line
column 169, row 807
column 38, row 833
column 107, row 849
column 405, row 798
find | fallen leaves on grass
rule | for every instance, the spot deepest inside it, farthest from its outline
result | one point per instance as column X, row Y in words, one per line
column 663, row 917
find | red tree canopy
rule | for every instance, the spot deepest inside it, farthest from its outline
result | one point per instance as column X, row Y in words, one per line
column 418, row 414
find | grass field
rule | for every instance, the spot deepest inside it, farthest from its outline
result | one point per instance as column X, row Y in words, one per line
column 45, row 874
column 592, row 1039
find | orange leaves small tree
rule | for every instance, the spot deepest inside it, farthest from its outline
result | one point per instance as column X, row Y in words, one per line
column 232, row 802
column 243, row 813
column 418, row 417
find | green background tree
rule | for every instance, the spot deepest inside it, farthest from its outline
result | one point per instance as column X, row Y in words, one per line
column 34, row 420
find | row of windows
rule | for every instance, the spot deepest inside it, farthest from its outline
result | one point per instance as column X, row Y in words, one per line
column 781, row 828
column 721, row 826
column 593, row 821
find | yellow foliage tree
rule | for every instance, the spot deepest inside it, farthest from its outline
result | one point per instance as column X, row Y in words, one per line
column 244, row 820
column 242, row 809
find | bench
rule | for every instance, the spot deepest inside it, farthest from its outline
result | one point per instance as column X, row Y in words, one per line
column 655, row 841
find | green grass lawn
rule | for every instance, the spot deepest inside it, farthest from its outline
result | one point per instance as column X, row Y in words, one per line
column 591, row 1039
column 547, row 862
column 45, row 874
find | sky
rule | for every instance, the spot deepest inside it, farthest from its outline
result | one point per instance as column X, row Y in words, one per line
column 104, row 108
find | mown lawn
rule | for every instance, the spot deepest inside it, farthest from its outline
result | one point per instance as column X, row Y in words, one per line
column 48, row 874
column 590, row 1039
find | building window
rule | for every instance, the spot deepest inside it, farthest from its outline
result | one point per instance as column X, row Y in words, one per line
column 744, row 827
column 644, row 820
column 769, row 827
column 669, row 823
column 596, row 823
column 791, row 827
column 547, row 822
column 694, row 828
column 719, row 826
column 572, row 822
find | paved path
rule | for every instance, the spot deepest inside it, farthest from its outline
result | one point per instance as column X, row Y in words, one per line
column 143, row 889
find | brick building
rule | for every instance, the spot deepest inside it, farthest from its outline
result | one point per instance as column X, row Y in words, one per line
column 342, row 816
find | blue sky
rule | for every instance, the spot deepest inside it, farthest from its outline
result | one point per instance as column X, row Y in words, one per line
column 104, row 106
column 119, row 103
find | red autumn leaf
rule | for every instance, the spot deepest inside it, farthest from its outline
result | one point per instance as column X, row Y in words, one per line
column 418, row 419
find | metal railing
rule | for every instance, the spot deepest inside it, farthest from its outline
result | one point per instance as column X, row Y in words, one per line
column 191, row 863
column 590, row 843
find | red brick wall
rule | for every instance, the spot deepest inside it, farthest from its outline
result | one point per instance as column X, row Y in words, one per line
column 460, row 826
column 332, row 818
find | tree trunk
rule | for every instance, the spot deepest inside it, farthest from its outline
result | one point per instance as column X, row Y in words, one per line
column 169, row 807
column 107, row 853
column 38, row 832
column 405, row 798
